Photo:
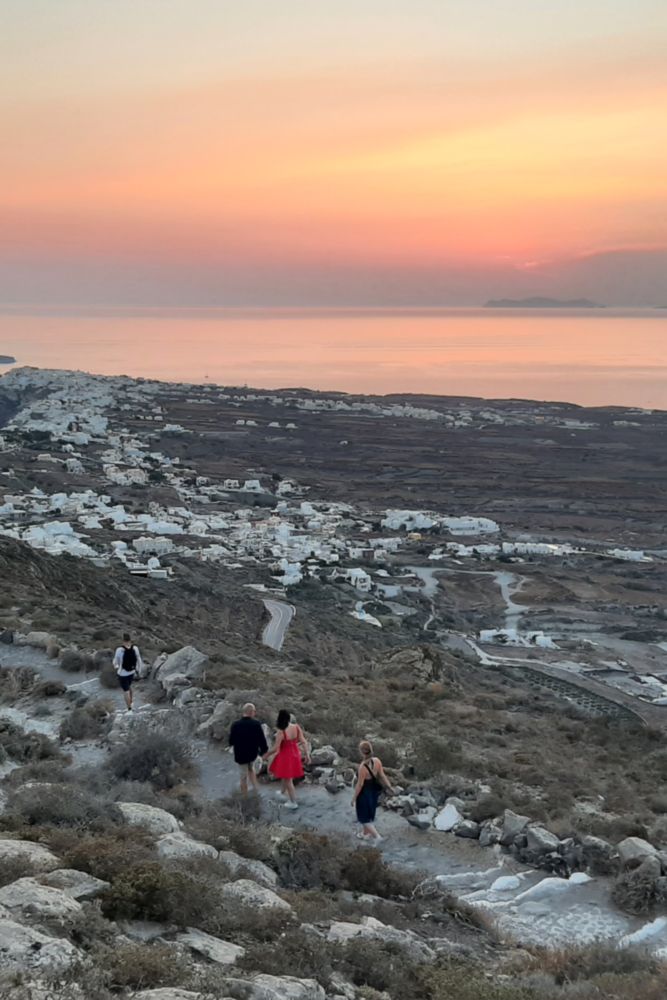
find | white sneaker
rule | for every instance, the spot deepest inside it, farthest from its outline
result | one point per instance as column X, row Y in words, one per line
column 291, row 805
column 280, row 795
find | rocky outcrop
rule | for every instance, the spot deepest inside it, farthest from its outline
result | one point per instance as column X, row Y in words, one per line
column 24, row 949
column 79, row 885
column 246, row 895
column 513, row 826
column 541, row 841
column 239, row 867
column 448, row 818
column 168, row 993
column 633, row 850
column 214, row 949
column 371, row 929
column 27, row 900
column 156, row 821
column 217, row 726
column 184, row 668
column 180, row 845
column 265, row 987
column 33, row 856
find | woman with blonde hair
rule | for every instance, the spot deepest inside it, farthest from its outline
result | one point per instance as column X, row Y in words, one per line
column 371, row 782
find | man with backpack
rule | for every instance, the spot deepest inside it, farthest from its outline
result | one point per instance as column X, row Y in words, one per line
column 127, row 664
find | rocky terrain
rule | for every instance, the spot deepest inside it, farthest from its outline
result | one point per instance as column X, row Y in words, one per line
column 478, row 586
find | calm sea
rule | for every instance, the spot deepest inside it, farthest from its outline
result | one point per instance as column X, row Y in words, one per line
column 595, row 358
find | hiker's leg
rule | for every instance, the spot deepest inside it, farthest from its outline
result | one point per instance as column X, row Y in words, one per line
column 252, row 776
column 289, row 790
column 244, row 781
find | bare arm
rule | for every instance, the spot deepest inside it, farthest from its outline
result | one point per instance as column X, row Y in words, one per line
column 382, row 777
column 303, row 743
column 280, row 736
column 360, row 783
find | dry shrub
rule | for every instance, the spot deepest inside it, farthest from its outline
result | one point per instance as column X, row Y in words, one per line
column 313, row 861
column 488, row 807
column 183, row 894
column 12, row 869
column 16, row 682
column 636, row 891
column 383, row 967
column 52, row 649
column 310, row 861
column 50, row 689
column 50, row 770
column 75, row 662
column 232, row 823
column 456, row 981
column 24, row 747
column 364, row 870
column 105, row 855
column 103, row 665
column 89, row 721
column 141, row 966
column 572, row 965
column 60, row 805
column 298, row 953
column 158, row 758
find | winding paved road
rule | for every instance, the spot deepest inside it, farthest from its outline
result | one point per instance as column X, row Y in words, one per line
column 274, row 631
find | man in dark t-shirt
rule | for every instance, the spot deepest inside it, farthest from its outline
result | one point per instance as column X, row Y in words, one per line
column 248, row 741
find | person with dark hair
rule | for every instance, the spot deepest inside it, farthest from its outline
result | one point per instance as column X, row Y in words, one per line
column 247, row 739
column 371, row 782
column 127, row 663
column 285, row 757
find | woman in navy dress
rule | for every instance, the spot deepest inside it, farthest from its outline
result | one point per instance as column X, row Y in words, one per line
column 371, row 782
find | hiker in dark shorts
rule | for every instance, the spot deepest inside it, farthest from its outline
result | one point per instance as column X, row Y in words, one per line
column 127, row 664
column 248, row 741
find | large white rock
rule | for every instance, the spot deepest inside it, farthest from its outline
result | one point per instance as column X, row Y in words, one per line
column 371, row 929
column 541, row 841
column 23, row 949
column 216, row 950
column 255, row 870
column 156, row 821
column 264, row 987
column 217, row 726
column 182, row 668
column 167, row 993
column 180, row 845
column 447, row 818
column 27, row 899
column 633, row 850
column 78, row 885
column 37, row 857
column 248, row 895
column 513, row 825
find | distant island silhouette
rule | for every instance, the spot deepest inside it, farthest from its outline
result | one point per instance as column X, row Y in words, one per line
column 539, row 302
column 7, row 359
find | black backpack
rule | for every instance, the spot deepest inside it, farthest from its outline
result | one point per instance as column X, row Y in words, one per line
column 129, row 659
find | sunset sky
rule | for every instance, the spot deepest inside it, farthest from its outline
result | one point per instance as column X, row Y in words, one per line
column 199, row 152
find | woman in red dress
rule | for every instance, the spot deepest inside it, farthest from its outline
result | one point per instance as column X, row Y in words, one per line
column 285, row 757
